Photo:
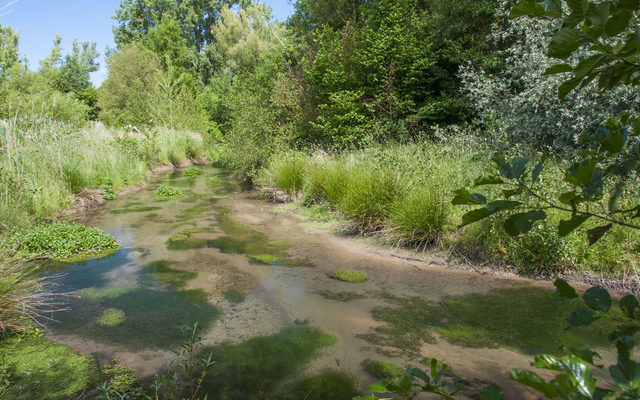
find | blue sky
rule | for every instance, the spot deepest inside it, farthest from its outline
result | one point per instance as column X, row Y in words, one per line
column 38, row 22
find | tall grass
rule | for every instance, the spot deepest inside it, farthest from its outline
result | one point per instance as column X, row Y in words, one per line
column 403, row 193
column 44, row 163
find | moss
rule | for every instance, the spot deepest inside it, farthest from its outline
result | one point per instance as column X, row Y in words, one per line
column 94, row 294
column 193, row 171
column 256, row 368
column 111, row 317
column 382, row 369
column 162, row 272
column 522, row 319
column 165, row 192
column 266, row 259
column 234, row 296
column 341, row 296
column 44, row 369
column 349, row 276
column 333, row 385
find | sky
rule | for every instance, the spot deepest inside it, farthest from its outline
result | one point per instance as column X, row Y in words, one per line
column 38, row 22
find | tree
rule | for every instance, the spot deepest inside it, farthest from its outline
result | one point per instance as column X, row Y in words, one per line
column 8, row 49
column 606, row 33
column 125, row 97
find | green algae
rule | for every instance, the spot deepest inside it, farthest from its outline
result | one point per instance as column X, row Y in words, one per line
column 522, row 319
column 340, row 296
column 111, row 317
column 257, row 367
column 330, row 384
column 382, row 369
column 162, row 272
column 153, row 315
column 234, row 296
column 242, row 239
column 349, row 276
column 44, row 370
column 134, row 209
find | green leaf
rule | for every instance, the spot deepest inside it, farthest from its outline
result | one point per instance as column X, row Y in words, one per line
column 564, row 290
column 523, row 222
column 553, row 8
column 462, row 196
column 584, row 354
column 567, row 87
column 593, row 235
column 565, row 41
column 565, row 227
column 501, row 205
column 567, row 197
column 618, row 22
column 491, row 393
column 488, row 180
column 379, row 387
column 536, row 172
column 514, row 168
column 534, row 381
column 628, row 305
column 579, row 7
column 598, row 13
column 527, row 7
column 474, row 216
column 587, row 65
column 511, row 193
column 580, row 318
column 401, row 384
column 597, row 298
column 558, row 69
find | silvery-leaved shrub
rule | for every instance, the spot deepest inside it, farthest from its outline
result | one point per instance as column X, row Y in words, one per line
column 520, row 104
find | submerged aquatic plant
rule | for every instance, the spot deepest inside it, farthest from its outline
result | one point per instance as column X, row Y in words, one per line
column 349, row 276
column 111, row 317
column 165, row 192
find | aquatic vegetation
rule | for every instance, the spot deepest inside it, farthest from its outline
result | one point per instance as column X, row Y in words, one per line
column 382, row 369
column 333, row 385
column 164, row 274
column 152, row 316
column 165, row 192
column 91, row 293
column 349, row 276
column 59, row 240
column 257, row 367
column 193, row 171
column 184, row 241
column 134, row 209
column 340, row 296
column 234, row 296
column 121, row 380
column 214, row 180
column 42, row 369
column 111, row 317
column 481, row 321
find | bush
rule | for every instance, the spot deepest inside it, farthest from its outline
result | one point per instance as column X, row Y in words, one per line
column 193, row 171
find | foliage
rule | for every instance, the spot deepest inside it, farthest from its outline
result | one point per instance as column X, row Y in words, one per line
column 285, row 172
column 165, row 192
column 193, row 171
column 8, row 50
column 349, row 276
column 602, row 174
column 58, row 240
column 382, row 369
column 125, row 97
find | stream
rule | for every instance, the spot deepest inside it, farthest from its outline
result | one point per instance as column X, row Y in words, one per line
column 255, row 277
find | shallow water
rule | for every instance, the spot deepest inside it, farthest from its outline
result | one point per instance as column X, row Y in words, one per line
column 257, row 284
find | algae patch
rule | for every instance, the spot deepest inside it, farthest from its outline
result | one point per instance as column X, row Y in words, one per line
column 234, row 296
column 111, row 317
column 382, row 369
column 333, row 385
column 349, row 276
column 257, row 368
column 521, row 319
column 340, row 296
column 43, row 369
